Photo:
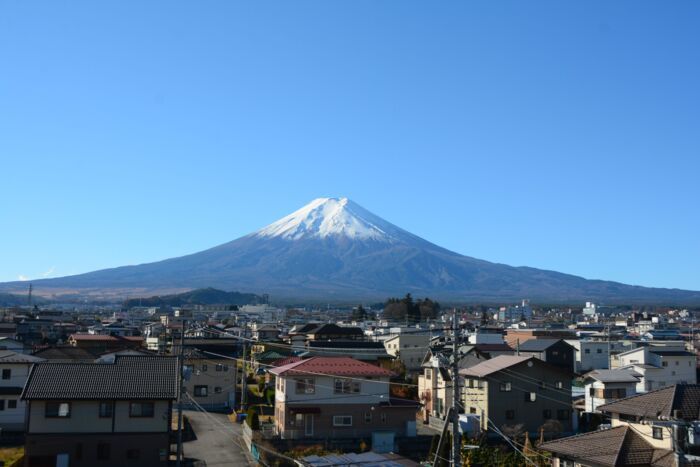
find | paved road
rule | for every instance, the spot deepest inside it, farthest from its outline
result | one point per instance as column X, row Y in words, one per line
column 218, row 441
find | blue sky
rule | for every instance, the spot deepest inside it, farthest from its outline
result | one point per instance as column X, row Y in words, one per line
column 559, row 135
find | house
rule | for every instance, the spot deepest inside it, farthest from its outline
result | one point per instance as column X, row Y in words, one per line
column 590, row 354
column 14, row 370
column 511, row 390
column 515, row 336
column 108, row 414
column 604, row 386
column 105, row 343
column 556, row 352
column 409, row 348
column 265, row 333
column 645, row 430
column 366, row 351
column 338, row 397
column 660, row 366
column 210, row 381
column 8, row 343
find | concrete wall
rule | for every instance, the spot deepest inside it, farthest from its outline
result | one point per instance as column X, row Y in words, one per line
column 324, row 393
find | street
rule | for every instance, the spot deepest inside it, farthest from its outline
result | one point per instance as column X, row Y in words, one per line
column 218, row 441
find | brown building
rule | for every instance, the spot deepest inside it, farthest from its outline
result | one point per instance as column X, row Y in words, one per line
column 109, row 414
column 513, row 336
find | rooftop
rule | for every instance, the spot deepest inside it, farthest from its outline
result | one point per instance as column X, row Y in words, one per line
column 494, row 365
column 681, row 399
column 332, row 366
column 129, row 377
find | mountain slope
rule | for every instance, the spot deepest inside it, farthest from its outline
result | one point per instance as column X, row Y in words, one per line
column 335, row 249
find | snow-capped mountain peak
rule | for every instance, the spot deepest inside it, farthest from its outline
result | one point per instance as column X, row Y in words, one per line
column 331, row 217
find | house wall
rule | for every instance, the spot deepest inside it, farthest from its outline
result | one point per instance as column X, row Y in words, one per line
column 12, row 419
column 593, row 401
column 84, row 418
column 591, row 355
column 410, row 349
column 677, row 369
column 371, row 392
column 646, row 430
column 151, row 449
column 204, row 373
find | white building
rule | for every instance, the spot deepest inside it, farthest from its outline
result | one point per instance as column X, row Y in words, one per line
column 590, row 355
column 603, row 386
column 660, row 366
column 14, row 370
column 409, row 348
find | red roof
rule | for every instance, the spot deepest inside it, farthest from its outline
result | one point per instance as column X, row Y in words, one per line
column 285, row 361
column 332, row 366
column 104, row 337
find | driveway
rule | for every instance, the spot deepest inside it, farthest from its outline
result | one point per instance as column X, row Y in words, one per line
column 219, row 442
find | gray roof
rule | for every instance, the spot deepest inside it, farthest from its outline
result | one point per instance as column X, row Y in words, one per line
column 661, row 403
column 540, row 345
column 8, row 356
column 613, row 376
column 493, row 365
column 129, row 377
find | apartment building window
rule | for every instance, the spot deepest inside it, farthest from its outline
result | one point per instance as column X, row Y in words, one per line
column 546, row 414
column 305, row 386
column 343, row 386
column 342, row 420
column 57, row 409
column 142, row 409
column 510, row 414
column 530, row 396
column 657, row 432
column 106, row 409
column 368, row 417
column 6, row 373
column 102, row 451
column 563, row 414
column 587, row 351
column 505, row 387
column 12, row 404
column 599, row 351
column 200, row 391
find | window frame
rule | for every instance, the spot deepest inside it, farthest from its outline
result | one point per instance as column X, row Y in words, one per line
column 201, row 390
column 338, row 423
column 151, row 404
column 58, row 405
column 102, row 404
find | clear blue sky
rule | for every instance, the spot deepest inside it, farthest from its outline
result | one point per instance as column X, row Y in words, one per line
column 559, row 135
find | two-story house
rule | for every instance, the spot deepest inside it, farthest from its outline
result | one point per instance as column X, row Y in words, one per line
column 14, row 370
column 409, row 348
column 108, row 414
column 210, row 381
column 604, row 386
column 590, row 354
column 556, row 352
column 510, row 390
column 659, row 367
column 338, row 397
column 645, row 431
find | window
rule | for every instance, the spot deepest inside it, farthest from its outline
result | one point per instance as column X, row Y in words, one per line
column 6, row 374
column 591, row 391
column 530, row 396
column 106, row 409
column 57, row 410
column 342, row 420
column 225, row 367
column 12, row 404
column 133, row 454
column 305, row 386
column 343, row 386
column 368, row 417
column 662, row 364
column 200, row 391
column 546, row 414
column 657, row 432
column 204, row 367
column 563, row 414
column 599, row 351
column 677, row 363
column 428, row 373
column 472, row 410
column 141, row 409
column 558, row 385
column 102, row 451
column 587, row 351
column 384, row 417
column 510, row 414
column 505, row 387
column 2, row 404
column 217, row 390
column 219, row 367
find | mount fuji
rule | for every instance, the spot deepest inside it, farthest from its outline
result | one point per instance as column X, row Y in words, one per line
column 332, row 249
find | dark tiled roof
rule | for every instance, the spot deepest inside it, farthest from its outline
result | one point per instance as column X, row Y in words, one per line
column 660, row 403
column 493, row 365
column 129, row 377
column 336, row 330
column 493, row 347
column 68, row 354
column 347, row 345
column 539, row 345
column 619, row 446
column 672, row 353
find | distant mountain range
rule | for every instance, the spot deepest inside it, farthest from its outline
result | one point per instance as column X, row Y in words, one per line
column 333, row 250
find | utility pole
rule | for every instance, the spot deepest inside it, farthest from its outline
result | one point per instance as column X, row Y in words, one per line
column 456, row 438
column 244, row 378
column 181, row 355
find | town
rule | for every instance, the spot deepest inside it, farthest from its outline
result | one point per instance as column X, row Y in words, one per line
column 385, row 384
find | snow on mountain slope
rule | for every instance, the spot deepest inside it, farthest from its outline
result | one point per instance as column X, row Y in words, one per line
column 331, row 217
